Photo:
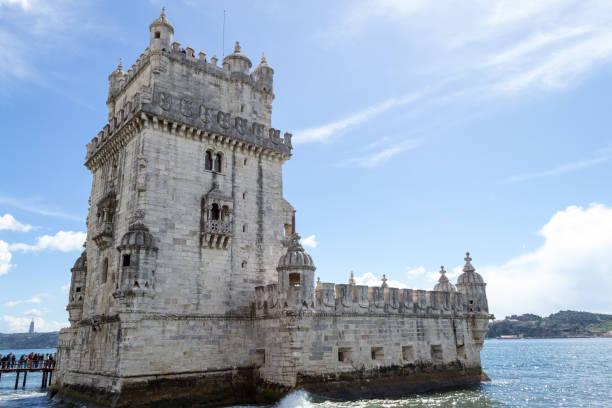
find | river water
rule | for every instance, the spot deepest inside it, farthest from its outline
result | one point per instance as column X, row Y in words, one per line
column 524, row 373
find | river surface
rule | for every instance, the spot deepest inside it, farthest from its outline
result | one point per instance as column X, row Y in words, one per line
column 524, row 373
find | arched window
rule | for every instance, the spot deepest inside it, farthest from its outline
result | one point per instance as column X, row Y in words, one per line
column 208, row 162
column 214, row 212
column 218, row 162
column 224, row 213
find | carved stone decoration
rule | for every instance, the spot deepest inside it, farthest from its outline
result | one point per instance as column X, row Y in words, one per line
column 274, row 134
column 165, row 100
column 186, row 107
column 105, row 214
column 240, row 124
column 206, row 114
column 223, row 119
column 287, row 139
column 258, row 129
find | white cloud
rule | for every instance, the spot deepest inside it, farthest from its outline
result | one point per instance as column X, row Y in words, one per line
column 310, row 241
column 325, row 133
column 369, row 279
column 34, row 312
column 5, row 258
column 14, row 303
column 41, row 208
column 15, row 324
column 8, row 222
column 570, row 270
column 485, row 53
column 565, row 168
column 63, row 241
column 375, row 159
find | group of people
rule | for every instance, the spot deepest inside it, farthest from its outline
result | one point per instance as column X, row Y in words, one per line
column 32, row 360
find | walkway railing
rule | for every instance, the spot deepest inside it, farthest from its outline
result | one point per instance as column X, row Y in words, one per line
column 28, row 366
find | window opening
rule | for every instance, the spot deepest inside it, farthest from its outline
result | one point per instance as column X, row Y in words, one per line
column 208, row 160
column 126, row 260
column 218, row 162
column 157, row 34
column 408, row 353
column 294, row 279
column 377, row 353
column 214, row 212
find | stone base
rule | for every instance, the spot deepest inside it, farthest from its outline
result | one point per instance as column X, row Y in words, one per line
column 389, row 382
column 241, row 387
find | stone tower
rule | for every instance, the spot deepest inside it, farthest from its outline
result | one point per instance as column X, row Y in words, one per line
column 194, row 288
column 186, row 212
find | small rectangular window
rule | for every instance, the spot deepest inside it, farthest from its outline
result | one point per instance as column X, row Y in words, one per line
column 436, row 352
column 345, row 354
column 78, row 289
column 408, row 353
column 157, row 34
column 126, row 260
column 260, row 357
column 377, row 353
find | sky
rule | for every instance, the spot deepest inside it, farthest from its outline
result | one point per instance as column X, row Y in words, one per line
column 421, row 130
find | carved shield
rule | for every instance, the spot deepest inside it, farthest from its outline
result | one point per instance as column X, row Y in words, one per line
column 186, row 107
column 165, row 100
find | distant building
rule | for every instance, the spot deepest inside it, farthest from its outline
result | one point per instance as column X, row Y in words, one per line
column 31, row 327
column 194, row 286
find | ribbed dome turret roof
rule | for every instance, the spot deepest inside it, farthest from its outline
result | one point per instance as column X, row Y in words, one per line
column 443, row 284
column 469, row 275
column 81, row 262
column 296, row 257
column 138, row 236
column 238, row 54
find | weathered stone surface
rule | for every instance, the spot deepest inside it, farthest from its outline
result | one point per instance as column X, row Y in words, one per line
column 194, row 289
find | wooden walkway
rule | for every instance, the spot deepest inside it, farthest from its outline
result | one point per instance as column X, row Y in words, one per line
column 31, row 366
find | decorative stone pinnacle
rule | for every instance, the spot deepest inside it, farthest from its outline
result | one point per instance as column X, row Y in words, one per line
column 237, row 47
column 263, row 59
column 163, row 13
column 295, row 245
column 352, row 279
column 384, row 281
column 318, row 280
column 120, row 66
column 443, row 277
column 468, row 266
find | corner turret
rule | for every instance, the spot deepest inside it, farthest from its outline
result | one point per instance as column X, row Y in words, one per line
column 116, row 80
column 296, row 275
column 264, row 76
column 77, row 289
column 237, row 63
column 162, row 33
column 472, row 286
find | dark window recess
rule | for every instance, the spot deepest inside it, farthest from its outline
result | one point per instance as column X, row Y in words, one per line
column 214, row 212
column 218, row 162
column 78, row 289
column 208, row 161
column 126, row 260
column 344, row 354
column 157, row 34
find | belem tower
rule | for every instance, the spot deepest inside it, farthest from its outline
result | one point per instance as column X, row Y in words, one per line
column 194, row 288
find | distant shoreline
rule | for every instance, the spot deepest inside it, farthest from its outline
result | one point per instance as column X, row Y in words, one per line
column 23, row 341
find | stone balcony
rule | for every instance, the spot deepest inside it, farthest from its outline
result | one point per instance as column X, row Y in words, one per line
column 103, row 234
column 217, row 234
